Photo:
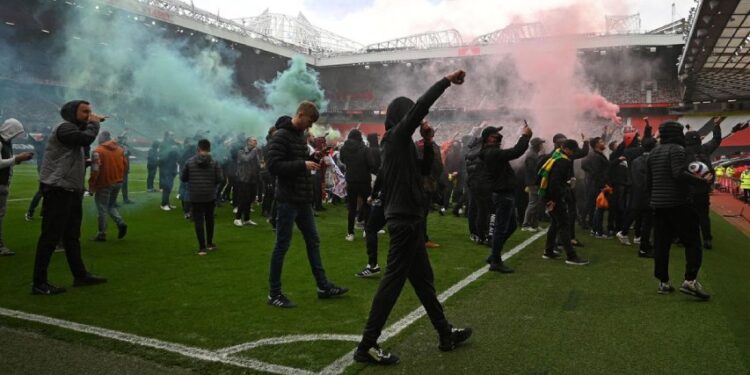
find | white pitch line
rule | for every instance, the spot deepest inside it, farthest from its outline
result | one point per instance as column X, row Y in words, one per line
column 28, row 199
column 187, row 351
column 287, row 340
column 345, row 361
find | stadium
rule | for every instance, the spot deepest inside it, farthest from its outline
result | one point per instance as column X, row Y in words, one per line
column 166, row 69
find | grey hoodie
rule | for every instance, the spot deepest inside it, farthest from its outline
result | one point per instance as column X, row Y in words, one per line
column 10, row 129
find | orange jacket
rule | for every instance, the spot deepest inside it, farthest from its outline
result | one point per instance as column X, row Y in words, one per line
column 108, row 165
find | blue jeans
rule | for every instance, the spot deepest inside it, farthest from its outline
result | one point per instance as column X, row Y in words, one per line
column 598, row 224
column 505, row 223
column 287, row 214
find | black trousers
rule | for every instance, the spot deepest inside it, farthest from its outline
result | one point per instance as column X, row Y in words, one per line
column 482, row 209
column 617, row 206
column 646, row 227
column 572, row 213
column 151, row 176
column 356, row 193
column 375, row 223
column 677, row 222
column 407, row 259
column 203, row 217
column 559, row 230
column 592, row 191
column 244, row 196
column 268, row 196
column 61, row 220
column 702, row 204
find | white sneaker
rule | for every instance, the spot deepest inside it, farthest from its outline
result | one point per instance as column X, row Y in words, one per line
column 234, row 211
column 623, row 238
column 350, row 237
column 637, row 240
column 237, row 223
column 166, row 208
column 460, row 211
column 382, row 231
column 249, row 222
column 364, row 234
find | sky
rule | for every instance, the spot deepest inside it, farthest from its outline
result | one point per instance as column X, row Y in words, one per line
column 371, row 21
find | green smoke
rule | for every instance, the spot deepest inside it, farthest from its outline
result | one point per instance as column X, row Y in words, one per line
column 130, row 69
column 296, row 84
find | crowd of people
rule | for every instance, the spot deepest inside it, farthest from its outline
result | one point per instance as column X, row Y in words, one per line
column 656, row 186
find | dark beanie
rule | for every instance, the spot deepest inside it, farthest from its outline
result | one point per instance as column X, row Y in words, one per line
column 559, row 137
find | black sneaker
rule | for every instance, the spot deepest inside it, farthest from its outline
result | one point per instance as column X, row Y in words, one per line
column 708, row 245
column 99, row 238
column 331, row 291
column 122, row 230
column 551, row 255
column 89, row 280
column 500, row 267
column 576, row 243
column 212, row 247
column 576, row 261
column 665, row 288
column 695, row 289
column 46, row 289
column 645, row 254
column 457, row 336
column 281, row 301
column 368, row 272
column 375, row 355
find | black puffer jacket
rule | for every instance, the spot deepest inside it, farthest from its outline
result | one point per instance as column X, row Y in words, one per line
column 203, row 175
column 502, row 178
column 666, row 176
column 355, row 156
column 476, row 173
column 287, row 153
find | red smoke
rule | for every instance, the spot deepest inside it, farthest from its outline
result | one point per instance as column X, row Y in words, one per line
column 598, row 105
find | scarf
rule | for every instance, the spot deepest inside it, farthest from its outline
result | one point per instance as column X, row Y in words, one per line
column 545, row 170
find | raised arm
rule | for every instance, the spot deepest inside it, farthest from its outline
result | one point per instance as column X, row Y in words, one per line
column 421, row 108
column 70, row 134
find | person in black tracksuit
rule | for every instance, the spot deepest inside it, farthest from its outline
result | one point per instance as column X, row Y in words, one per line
column 555, row 198
column 375, row 223
column 695, row 151
column 595, row 167
column 202, row 175
column 639, row 200
column 674, row 216
column 152, row 163
column 503, row 181
column 404, row 205
column 480, row 193
column 355, row 155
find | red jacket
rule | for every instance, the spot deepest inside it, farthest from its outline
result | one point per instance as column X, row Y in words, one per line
column 108, row 165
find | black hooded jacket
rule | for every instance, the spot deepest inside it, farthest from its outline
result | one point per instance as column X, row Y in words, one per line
column 287, row 153
column 402, row 173
column 355, row 156
column 72, row 132
column 695, row 151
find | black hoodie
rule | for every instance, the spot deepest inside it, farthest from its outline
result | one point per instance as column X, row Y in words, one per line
column 695, row 151
column 354, row 155
column 287, row 153
column 402, row 173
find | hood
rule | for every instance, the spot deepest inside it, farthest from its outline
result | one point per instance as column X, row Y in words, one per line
column 69, row 110
column 203, row 161
column 10, row 129
column 284, row 122
column 670, row 132
column 396, row 111
column 372, row 139
column 355, row 135
column 110, row 145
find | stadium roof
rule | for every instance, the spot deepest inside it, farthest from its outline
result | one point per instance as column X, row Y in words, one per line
column 715, row 64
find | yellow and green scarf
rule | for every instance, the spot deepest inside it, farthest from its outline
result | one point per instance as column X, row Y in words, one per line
column 546, row 168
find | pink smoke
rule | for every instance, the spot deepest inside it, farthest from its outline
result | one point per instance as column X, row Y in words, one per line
column 598, row 105
column 559, row 94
